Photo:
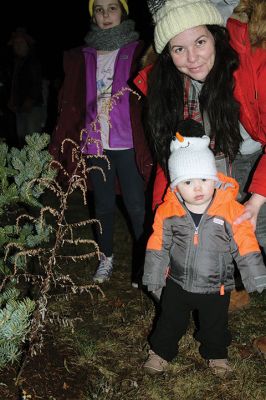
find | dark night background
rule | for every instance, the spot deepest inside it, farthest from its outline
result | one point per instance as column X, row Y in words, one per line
column 56, row 26
column 59, row 25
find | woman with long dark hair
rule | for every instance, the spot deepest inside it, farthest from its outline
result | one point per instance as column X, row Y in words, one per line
column 216, row 76
column 166, row 107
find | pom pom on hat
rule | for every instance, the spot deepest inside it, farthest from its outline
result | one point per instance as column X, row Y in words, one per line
column 191, row 158
column 155, row 5
column 123, row 2
column 172, row 17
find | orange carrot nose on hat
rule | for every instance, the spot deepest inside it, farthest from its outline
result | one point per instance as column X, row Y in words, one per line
column 190, row 156
column 123, row 2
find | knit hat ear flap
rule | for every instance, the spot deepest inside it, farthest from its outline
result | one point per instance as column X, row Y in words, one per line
column 123, row 2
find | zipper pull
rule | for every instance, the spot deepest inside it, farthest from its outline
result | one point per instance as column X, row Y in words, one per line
column 196, row 237
column 222, row 290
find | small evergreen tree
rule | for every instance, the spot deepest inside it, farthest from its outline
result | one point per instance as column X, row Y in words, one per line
column 18, row 169
column 14, row 324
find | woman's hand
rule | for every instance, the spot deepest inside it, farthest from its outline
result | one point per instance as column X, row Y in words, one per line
column 252, row 209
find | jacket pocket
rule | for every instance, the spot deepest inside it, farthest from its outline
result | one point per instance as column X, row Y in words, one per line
column 227, row 268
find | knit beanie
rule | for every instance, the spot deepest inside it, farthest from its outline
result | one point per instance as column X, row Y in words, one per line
column 190, row 158
column 172, row 17
column 123, row 2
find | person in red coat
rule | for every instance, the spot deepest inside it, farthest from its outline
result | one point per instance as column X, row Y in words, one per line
column 229, row 98
column 247, row 29
column 248, row 37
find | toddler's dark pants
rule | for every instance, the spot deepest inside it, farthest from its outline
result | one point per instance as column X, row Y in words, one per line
column 176, row 307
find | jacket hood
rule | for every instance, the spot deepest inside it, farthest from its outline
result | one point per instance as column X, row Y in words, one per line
column 149, row 57
column 240, row 35
column 227, row 188
column 147, row 62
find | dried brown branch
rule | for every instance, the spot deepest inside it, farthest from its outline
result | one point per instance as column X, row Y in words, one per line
column 48, row 258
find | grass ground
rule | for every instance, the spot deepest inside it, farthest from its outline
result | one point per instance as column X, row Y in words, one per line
column 97, row 350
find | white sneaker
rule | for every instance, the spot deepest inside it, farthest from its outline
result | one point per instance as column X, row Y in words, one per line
column 104, row 270
column 155, row 364
column 220, row 366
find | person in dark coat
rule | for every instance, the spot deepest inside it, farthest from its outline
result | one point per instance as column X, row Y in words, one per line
column 94, row 74
column 26, row 95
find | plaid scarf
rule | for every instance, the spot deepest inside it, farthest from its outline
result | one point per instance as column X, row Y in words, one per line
column 192, row 110
column 192, row 107
column 191, row 101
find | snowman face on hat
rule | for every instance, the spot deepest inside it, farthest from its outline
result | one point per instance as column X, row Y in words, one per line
column 190, row 158
column 196, row 143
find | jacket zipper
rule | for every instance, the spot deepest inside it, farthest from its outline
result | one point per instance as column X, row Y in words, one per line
column 195, row 240
column 193, row 251
column 196, row 236
column 223, row 277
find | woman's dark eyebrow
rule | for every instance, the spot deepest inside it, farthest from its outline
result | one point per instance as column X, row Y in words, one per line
column 200, row 37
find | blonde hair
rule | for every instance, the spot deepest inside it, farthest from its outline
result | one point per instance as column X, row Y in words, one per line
column 254, row 13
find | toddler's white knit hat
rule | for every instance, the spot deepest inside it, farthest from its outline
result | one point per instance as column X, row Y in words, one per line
column 191, row 158
column 172, row 17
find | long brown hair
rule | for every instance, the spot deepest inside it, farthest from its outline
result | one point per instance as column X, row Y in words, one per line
column 165, row 100
column 254, row 13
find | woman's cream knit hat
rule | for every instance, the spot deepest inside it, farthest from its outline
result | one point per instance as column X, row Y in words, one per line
column 172, row 17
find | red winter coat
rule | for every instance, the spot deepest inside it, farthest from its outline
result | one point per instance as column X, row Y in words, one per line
column 250, row 91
